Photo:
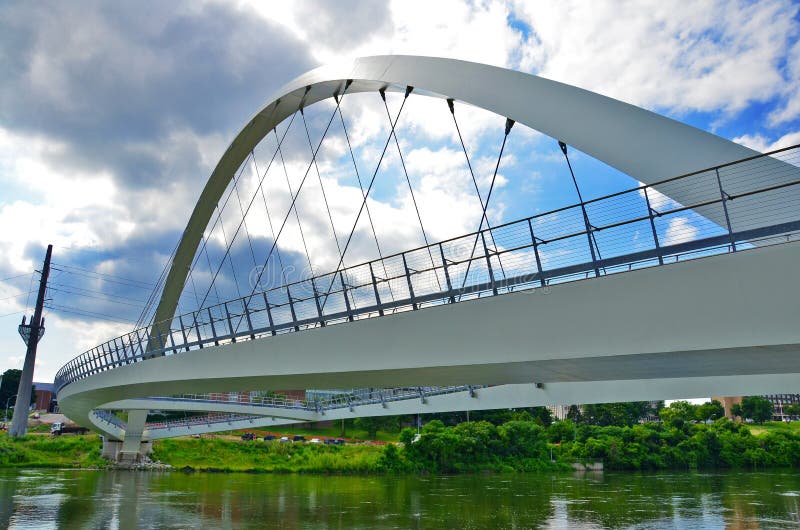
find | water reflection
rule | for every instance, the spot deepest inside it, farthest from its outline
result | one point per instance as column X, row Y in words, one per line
column 117, row 499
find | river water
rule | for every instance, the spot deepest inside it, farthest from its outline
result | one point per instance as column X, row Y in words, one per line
column 73, row 499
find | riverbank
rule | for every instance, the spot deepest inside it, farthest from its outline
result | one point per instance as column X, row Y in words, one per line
column 475, row 447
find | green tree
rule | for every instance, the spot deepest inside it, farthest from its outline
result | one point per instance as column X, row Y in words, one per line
column 619, row 414
column 757, row 408
column 710, row 410
column 378, row 423
column 678, row 414
column 574, row 414
column 792, row 410
column 9, row 387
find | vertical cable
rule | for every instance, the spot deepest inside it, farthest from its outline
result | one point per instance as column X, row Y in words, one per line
column 286, row 218
column 589, row 229
column 451, row 106
column 269, row 217
column 371, row 183
column 382, row 92
column 509, row 125
column 366, row 205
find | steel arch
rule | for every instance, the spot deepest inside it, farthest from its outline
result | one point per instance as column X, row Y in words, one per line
column 640, row 143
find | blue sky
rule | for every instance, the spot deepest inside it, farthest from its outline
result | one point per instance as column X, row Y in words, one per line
column 112, row 117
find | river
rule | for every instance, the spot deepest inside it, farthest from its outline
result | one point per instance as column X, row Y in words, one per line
column 74, row 499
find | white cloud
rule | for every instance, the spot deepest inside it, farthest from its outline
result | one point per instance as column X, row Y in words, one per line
column 763, row 144
column 670, row 55
column 680, row 230
column 790, row 109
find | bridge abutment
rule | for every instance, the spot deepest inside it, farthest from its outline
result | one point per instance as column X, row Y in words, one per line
column 112, row 450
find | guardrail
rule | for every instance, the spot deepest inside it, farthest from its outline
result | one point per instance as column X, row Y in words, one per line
column 754, row 200
column 354, row 398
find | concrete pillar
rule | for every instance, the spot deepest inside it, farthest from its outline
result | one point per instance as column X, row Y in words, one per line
column 131, row 444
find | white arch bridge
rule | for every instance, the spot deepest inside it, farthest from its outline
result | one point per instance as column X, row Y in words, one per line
column 607, row 299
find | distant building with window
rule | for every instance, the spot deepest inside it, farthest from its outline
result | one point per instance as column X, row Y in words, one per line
column 781, row 401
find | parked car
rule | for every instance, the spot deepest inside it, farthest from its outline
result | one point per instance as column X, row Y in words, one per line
column 248, row 437
column 284, row 440
column 315, row 441
column 269, row 438
column 298, row 438
column 339, row 441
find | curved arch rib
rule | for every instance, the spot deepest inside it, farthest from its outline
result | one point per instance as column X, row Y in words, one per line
column 640, row 143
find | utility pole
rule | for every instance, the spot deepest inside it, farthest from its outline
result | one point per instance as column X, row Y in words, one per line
column 31, row 334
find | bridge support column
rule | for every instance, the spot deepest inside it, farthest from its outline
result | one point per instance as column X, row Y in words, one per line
column 133, row 448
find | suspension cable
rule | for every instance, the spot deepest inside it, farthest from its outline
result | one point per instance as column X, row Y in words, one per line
column 371, row 182
column 229, row 256
column 214, row 278
column 204, row 248
column 451, row 105
column 322, row 187
column 286, row 218
column 382, row 92
column 589, row 229
column 509, row 125
column 241, row 209
column 366, row 205
column 269, row 217
column 294, row 207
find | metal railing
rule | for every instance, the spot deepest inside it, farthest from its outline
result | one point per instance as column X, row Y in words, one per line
column 750, row 201
column 352, row 399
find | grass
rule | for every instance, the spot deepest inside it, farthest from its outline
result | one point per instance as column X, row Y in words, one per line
column 209, row 454
column 327, row 432
column 46, row 451
column 774, row 426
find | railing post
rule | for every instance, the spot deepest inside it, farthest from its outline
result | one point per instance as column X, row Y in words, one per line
column 230, row 324
column 346, row 300
column 132, row 357
column 161, row 343
column 653, row 227
column 589, row 238
column 197, row 329
column 213, row 329
column 488, row 264
column 172, row 339
column 316, row 302
column 105, row 359
column 408, row 281
column 247, row 316
column 725, row 199
column 183, row 333
column 447, row 275
column 124, row 359
column 375, row 288
column 269, row 314
column 291, row 308
column 535, row 244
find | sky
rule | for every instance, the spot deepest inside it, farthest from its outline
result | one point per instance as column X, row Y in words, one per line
column 113, row 115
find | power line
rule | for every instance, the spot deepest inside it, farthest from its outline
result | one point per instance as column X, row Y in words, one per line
column 14, row 313
column 125, row 283
column 111, row 295
column 108, row 299
column 17, row 295
column 84, row 313
column 17, row 276
column 105, row 274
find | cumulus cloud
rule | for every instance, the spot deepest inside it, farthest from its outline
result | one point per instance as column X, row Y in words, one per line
column 672, row 56
column 112, row 117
